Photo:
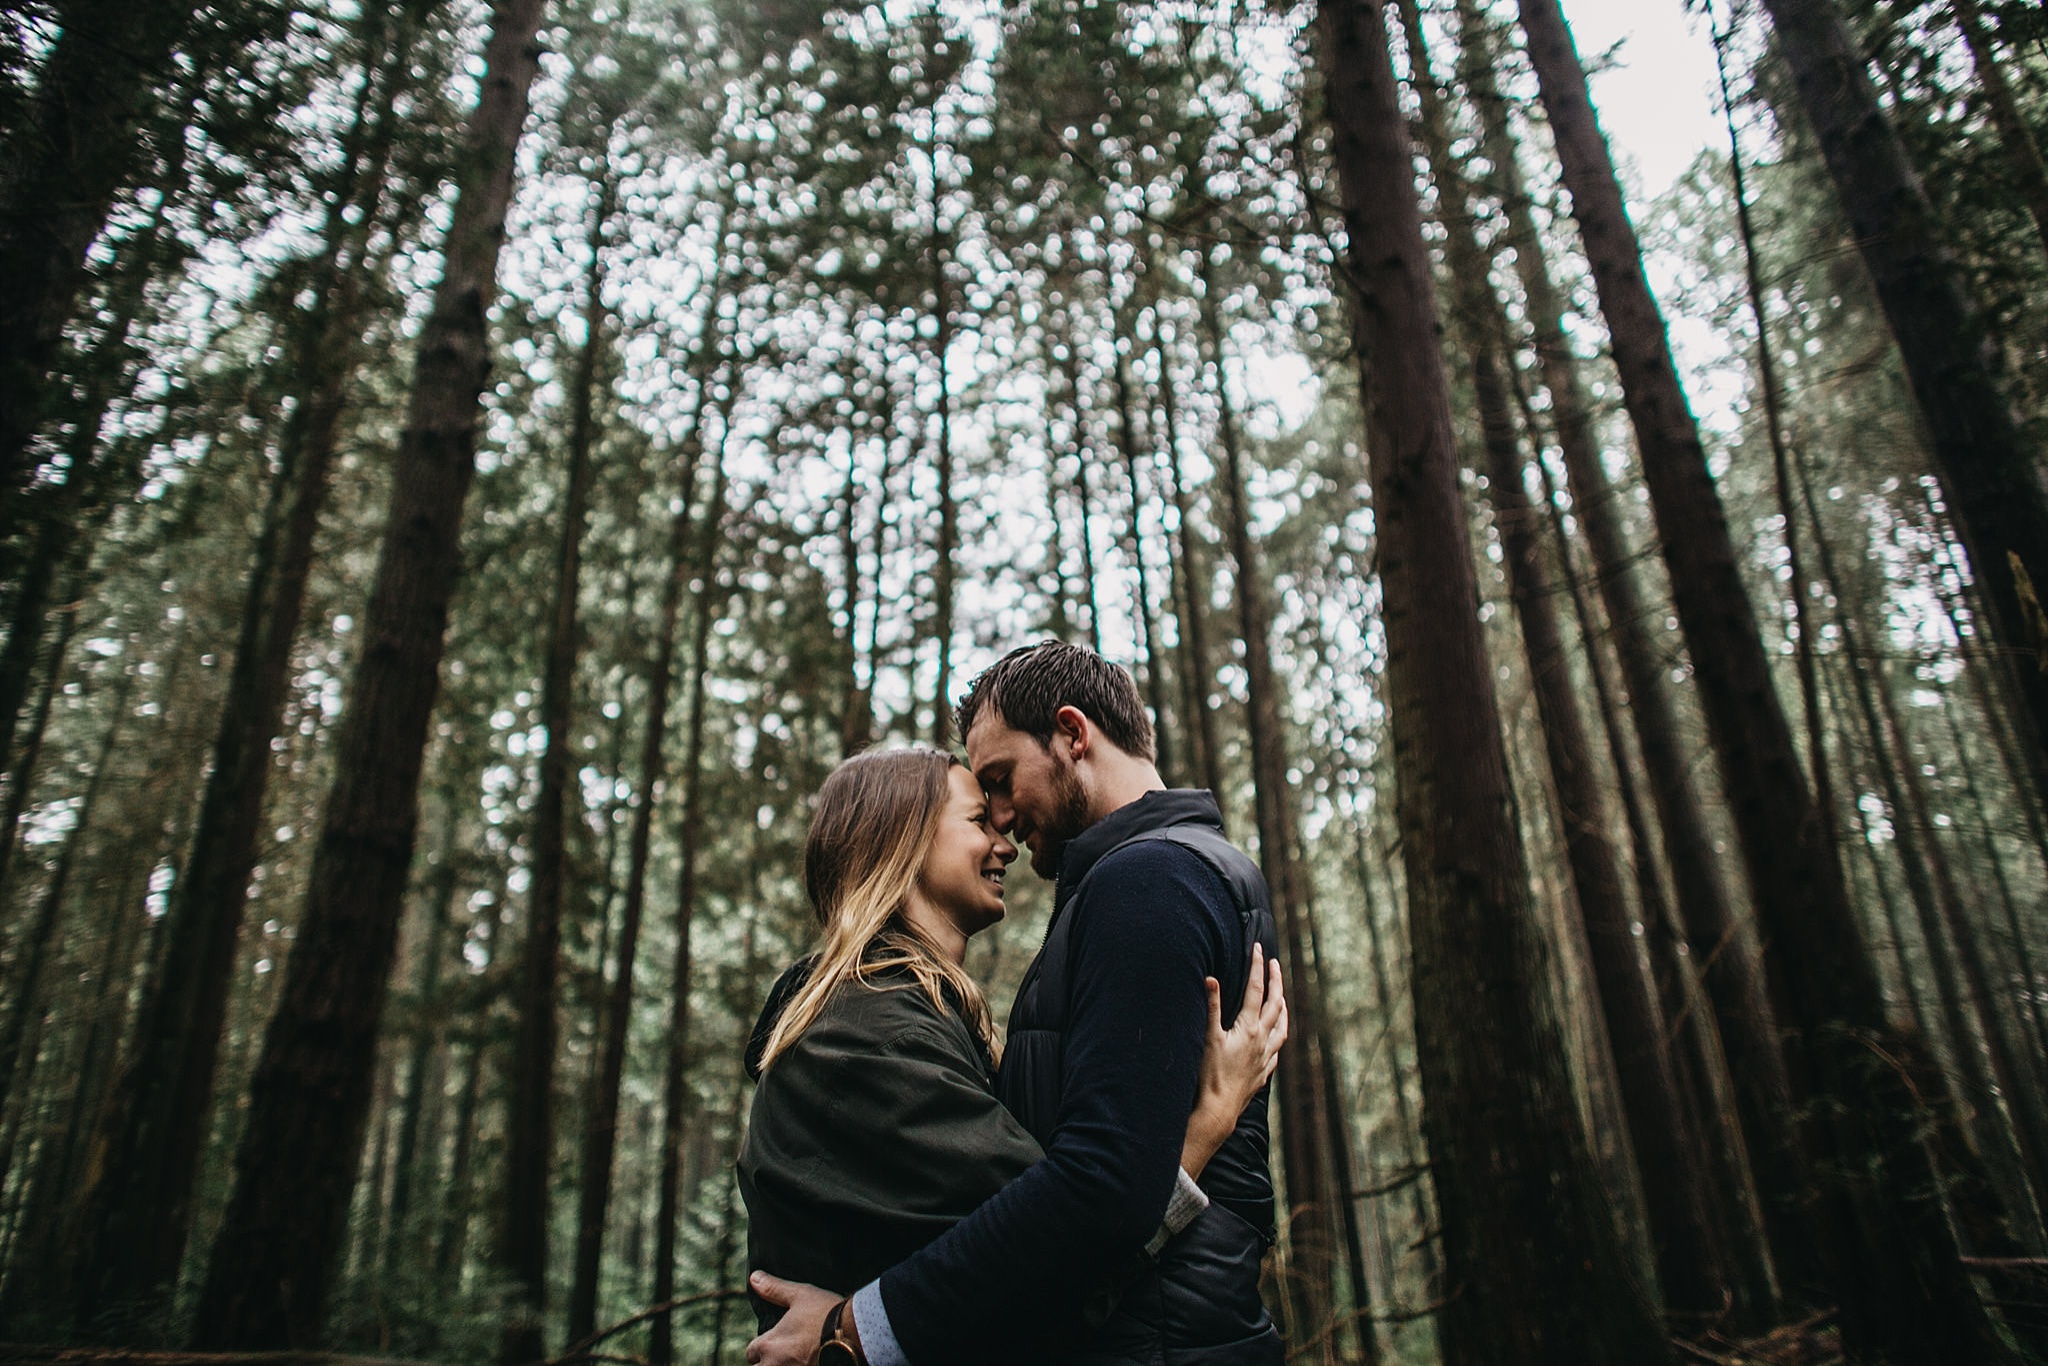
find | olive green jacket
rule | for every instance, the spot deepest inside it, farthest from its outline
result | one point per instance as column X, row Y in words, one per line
column 874, row 1133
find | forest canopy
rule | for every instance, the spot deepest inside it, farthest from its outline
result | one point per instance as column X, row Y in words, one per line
column 469, row 469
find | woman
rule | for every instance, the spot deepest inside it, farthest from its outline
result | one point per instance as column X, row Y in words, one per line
column 876, row 1126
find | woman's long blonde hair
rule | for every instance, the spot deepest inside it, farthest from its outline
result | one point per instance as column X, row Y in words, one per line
column 873, row 824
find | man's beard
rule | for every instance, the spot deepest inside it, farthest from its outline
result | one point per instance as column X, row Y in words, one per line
column 1068, row 818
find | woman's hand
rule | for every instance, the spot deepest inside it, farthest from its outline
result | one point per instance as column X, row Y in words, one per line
column 1237, row 1061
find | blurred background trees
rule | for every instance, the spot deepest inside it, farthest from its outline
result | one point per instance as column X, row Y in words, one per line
column 468, row 470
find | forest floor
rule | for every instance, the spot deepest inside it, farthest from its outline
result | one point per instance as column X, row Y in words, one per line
column 1810, row 1342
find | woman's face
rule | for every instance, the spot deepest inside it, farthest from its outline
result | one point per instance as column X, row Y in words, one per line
column 962, row 877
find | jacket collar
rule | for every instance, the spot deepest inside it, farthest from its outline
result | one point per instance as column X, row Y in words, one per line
column 1153, row 811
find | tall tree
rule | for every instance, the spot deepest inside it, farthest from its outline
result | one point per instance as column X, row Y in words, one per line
column 601, row 1130
column 58, row 183
column 272, row 1261
column 1660, row 1131
column 1533, row 1260
column 675, row 1099
column 1731, row 972
column 1913, row 1301
column 1990, row 467
column 145, row 1175
column 1304, row 1126
column 523, row 1228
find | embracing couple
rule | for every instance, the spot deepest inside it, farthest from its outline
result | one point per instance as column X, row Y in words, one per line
column 1095, row 1188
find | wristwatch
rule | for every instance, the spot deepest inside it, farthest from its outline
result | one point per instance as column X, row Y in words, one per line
column 838, row 1343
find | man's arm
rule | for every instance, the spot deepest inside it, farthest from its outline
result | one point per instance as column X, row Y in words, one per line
column 1157, row 921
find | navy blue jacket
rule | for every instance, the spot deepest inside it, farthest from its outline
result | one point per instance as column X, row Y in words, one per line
column 1102, row 1065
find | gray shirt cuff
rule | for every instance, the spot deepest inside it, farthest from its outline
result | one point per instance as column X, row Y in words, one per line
column 877, row 1339
column 1186, row 1206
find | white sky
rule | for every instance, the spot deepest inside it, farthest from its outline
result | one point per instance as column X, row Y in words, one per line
column 1658, row 105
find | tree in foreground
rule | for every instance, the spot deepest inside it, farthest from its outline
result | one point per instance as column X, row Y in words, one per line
column 1534, row 1267
column 273, row 1259
column 1892, row 1262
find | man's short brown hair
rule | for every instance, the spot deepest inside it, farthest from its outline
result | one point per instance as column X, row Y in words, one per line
column 1027, row 687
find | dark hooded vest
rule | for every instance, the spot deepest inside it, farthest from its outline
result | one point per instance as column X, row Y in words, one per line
column 1198, row 1304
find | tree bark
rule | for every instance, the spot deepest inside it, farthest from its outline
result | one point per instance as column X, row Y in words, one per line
column 267, row 1280
column 1666, row 1148
column 1897, row 1273
column 165, row 1094
column 1304, row 1128
column 675, row 1101
column 523, row 1230
column 1721, row 942
column 59, row 184
column 1990, row 466
column 1190, row 595
column 600, row 1141
column 1155, row 668
column 1534, row 1264
column 2022, row 151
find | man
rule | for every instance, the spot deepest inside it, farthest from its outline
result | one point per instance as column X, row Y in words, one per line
column 1105, row 1041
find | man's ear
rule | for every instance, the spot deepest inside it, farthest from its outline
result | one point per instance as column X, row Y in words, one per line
column 1073, row 729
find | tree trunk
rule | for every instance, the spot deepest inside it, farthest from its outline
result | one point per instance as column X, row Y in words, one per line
column 1191, row 596
column 267, row 1280
column 421, row 1066
column 1304, row 1128
column 1721, row 943
column 1534, row 1265
column 661, row 1344
column 1990, row 466
column 60, row 178
column 1897, row 1274
column 164, row 1098
column 1082, row 494
column 523, row 1231
column 1155, row 670
column 2022, row 151
column 600, row 1135
column 944, row 571
column 1673, row 1178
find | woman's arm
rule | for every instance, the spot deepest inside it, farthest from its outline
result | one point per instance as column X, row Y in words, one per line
column 1236, row 1062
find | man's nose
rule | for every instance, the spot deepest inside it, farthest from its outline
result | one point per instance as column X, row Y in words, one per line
column 1001, row 814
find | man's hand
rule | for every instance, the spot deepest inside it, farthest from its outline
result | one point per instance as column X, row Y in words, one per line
column 794, row 1340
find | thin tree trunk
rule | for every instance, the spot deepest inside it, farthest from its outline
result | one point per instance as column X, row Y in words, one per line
column 421, row 1060
column 1897, row 1274
column 1155, row 670
column 1082, row 495
column 944, row 572
column 1304, row 1130
column 23, row 786
column 267, row 1280
column 600, row 1140
column 2023, row 152
column 523, row 1229
column 1191, row 595
column 661, row 1345
column 1772, row 393
column 1343, row 1160
column 1534, row 1265
column 1990, row 466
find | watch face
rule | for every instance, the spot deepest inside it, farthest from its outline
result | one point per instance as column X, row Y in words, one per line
column 837, row 1354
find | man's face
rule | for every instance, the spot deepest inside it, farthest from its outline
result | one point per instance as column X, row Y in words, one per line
column 1035, row 796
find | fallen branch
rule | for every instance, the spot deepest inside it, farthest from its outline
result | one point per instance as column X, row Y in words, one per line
column 580, row 1351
